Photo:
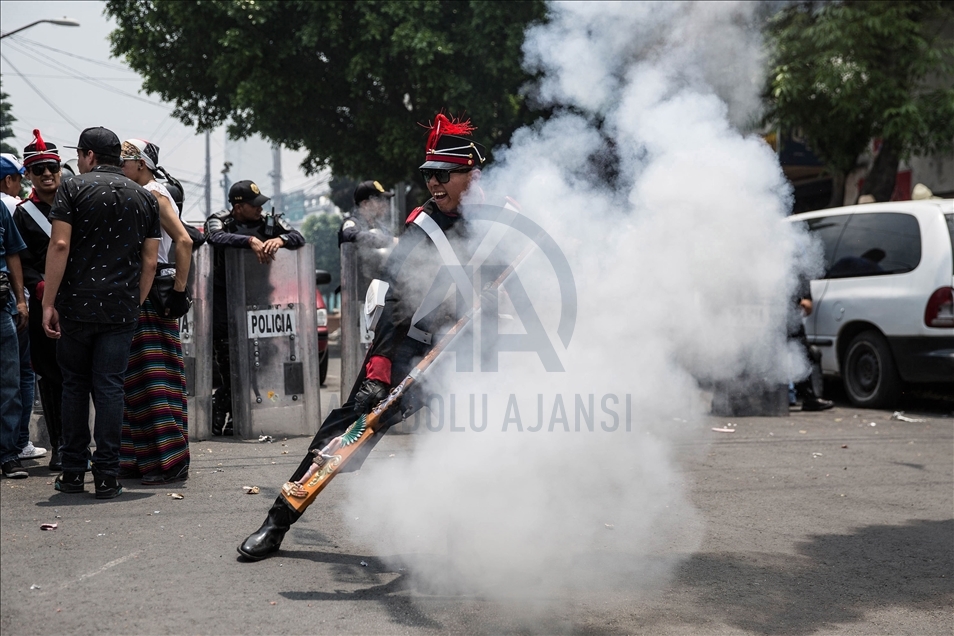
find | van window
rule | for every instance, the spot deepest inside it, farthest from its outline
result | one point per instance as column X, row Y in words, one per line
column 876, row 245
column 828, row 230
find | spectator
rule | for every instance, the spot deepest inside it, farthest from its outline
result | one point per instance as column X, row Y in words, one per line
column 103, row 248
column 12, row 304
column 245, row 227
column 155, row 439
column 42, row 161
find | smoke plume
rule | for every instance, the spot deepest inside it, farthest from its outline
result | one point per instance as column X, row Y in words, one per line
column 669, row 215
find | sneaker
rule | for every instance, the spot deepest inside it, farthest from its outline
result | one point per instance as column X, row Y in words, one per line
column 14, row 470
column 70, row 482
column 32, row 452
column 107, row 486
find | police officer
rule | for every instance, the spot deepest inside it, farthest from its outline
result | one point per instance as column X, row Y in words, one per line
column 364, row 226
column 452, row 165
column 245, row 226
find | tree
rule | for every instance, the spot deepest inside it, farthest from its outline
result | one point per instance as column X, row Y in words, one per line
column 847, row 72
column 347, row 81
column 321, row 230
column 6, row 124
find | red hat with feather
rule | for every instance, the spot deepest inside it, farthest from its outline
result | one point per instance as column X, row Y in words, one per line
column 448, row 149
column 40, row 150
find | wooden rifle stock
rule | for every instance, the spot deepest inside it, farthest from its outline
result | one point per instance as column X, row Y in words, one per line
column 335, row 455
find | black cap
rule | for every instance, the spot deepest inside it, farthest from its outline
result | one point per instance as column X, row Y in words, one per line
column 102, row 141
column 246, row 192
column 368, row 189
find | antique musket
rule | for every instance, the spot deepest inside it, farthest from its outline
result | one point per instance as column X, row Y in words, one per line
column 329, row 460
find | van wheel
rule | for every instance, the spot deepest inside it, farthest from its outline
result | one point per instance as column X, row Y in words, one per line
column 870, row 377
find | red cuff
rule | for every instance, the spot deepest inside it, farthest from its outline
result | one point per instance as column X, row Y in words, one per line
column 378, row 368
column 39, row 290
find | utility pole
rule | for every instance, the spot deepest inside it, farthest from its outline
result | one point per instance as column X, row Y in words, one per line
column 208, row 176
column 276, row 175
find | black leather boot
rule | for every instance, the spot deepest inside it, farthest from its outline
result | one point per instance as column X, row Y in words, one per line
column 267, row 539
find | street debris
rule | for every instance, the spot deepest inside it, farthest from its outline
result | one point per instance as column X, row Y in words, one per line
column 873, row 424
column 723, row 430
column 609, row 525
column 901, row 417
column 250, row 490
column 802, row 432
column 176, row 495
column 47, row 526
column 844, row 445
column 266, row 439
column 34, row 587
column 364, row 564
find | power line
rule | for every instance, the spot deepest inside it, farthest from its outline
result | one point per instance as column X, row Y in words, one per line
column 111, row 79
column 95, row 82
column 47, row 47
column 42, row 96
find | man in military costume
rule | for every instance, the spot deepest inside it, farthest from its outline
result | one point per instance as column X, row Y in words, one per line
column 244, row 227
column 403, row 335
column 32, row 216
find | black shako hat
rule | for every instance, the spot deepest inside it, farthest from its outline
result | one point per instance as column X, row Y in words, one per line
column 246, row 192
column 40, row 151
column 102, row 141
column 368, row 189
column 448, row 149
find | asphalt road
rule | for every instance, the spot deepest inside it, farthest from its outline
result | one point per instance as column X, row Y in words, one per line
column 812, row 523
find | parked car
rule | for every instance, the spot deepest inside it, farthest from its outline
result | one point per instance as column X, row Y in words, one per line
column 884, row 310
column 322, row 278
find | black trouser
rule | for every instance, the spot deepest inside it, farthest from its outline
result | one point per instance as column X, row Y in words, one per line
column 804, row 387
column 50, row 383
column 341, row 418
column 222, row 398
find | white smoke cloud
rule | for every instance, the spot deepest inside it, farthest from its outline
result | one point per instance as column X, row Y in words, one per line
column 684, row 273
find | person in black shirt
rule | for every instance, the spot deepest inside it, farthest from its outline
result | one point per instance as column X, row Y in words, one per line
column 100, row 266
column 244, row 226
column 452, row 166
column 42, row 161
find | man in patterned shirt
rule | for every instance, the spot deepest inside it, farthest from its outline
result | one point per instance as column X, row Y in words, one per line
column 100, row 264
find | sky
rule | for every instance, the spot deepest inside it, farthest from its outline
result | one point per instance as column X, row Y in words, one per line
column 90, row 88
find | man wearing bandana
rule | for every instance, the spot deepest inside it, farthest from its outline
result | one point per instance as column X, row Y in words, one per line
column 403, row 336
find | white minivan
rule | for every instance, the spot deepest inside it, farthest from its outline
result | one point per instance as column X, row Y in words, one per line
column 884, row 310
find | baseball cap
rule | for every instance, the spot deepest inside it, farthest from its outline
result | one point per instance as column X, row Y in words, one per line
column 368, row 189
column 246, row 192
column 136, row 149
column 10, row 164
column 100, row 140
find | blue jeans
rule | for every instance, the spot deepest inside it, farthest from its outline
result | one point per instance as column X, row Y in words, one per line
column 27, row 389
column 10, row 407
column 93, row 358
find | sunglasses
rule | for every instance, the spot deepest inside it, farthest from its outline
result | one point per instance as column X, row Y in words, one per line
column 442, row 176
column 39, row 169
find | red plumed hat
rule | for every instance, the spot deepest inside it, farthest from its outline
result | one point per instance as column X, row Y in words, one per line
column 40, row 150
column 447, row 148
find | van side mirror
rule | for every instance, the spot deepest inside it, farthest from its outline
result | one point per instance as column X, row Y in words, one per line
column 322, row 277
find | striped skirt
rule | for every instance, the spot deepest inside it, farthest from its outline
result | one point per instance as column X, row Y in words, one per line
column 155, row 414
